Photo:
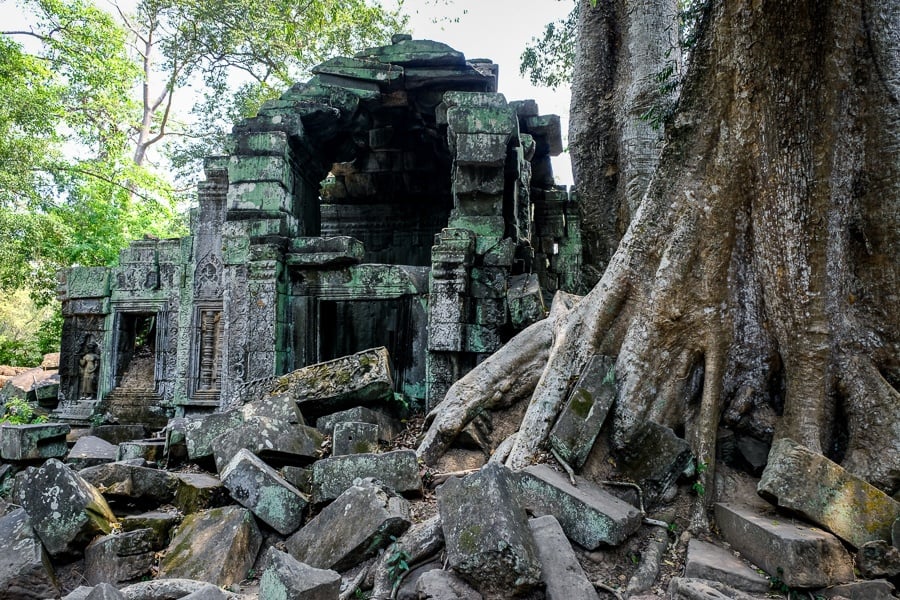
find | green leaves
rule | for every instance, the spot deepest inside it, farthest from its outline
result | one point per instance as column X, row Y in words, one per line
column 241, row 53
column 549, row 61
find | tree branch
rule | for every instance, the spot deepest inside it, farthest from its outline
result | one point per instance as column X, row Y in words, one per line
column 103, row 178
column 43, row 38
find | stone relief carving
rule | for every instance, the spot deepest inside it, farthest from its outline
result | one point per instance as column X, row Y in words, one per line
column 210, row 350
column 89, row 371
column 208, row 277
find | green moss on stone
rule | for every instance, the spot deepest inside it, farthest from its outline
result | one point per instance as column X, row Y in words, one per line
column 581, row 403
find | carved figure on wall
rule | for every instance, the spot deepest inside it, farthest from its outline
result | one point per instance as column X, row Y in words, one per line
column 89, row 366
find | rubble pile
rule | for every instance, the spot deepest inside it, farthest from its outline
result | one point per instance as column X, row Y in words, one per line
column 335, row 511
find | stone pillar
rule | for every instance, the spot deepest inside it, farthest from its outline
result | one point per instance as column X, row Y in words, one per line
column 448, row 308
column 254, row 309
column 84, row 293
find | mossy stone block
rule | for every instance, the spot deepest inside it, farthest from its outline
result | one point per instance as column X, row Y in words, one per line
column 218, row 545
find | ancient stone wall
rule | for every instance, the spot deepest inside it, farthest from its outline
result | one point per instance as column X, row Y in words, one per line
column 394, row 199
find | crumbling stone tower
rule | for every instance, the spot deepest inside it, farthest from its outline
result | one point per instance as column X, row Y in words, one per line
column 394, row 199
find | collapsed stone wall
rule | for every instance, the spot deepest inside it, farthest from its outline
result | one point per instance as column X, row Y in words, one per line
column 395, row 199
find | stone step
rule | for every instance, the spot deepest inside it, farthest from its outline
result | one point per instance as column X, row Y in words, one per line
column 707, row 561
column 589, row 515
column 806, row 482
column 799, row 556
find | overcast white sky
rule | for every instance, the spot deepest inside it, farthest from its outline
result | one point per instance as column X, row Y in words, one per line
column 499, row 30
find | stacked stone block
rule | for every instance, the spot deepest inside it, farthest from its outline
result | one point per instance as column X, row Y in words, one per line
column 326, row 216
column 557, row 239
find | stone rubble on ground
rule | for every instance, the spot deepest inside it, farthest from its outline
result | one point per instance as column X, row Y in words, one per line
column 246, row 532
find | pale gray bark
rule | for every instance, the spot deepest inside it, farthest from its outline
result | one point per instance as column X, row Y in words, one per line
column 757, row 281
column 618, row 96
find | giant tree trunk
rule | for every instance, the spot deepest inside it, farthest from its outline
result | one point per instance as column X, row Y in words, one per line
column 758, row 280
column 627, row 56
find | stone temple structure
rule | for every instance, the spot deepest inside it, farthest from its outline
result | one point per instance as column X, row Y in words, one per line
column 395, row 199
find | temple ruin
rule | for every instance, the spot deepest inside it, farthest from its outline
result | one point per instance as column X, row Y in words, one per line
column 395, row 199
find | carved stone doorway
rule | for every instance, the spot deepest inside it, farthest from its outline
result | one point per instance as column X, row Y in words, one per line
column 135, row 360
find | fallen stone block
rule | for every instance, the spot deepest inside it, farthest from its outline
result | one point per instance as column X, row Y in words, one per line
column 116, row 434
column 875, row 589
column 878, row 559
column 105, row 591
column 354, row 527
column 585, row 411
column 298, row 477
column 398, row 470
column 684, row 588
column 280, row 407
column 33, row 442
column 588, row 514
column 66, row 511
column 895, row 533
column 285, row 577
column 159, row 523
column 200, row 433
column 260, row 488
column 486, row 532
column 198, row 491
column 25, row 570
column 79, row 593
column 207, row 592
column 278, row 442
column 524, row 299
column 90, row 451
column 707, row 561
column 119, row 558
column 21, row 382
column 562, row 574
column 119, row 480
column 175, row 449
column 152, row 451
column 164, row 589
column 338, row 384
column 217, row 546
column 754, row 453
column 437, row 584
column 354, row 438
column 654, row 459
column 409, row 585
column 388, row 427
column 806, row 482
column 804, row 557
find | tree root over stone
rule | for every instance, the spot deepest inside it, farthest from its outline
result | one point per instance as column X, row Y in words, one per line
column 752, row 278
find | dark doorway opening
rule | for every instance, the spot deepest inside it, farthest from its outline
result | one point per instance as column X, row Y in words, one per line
column 349, row 326
column 136, row 350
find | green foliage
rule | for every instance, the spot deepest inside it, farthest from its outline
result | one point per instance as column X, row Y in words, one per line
column 549, row 60
column 397, row 563
column 18, row 412
column 69, row 191
column 264, row 47
column 27, row 331
column 697, row 486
